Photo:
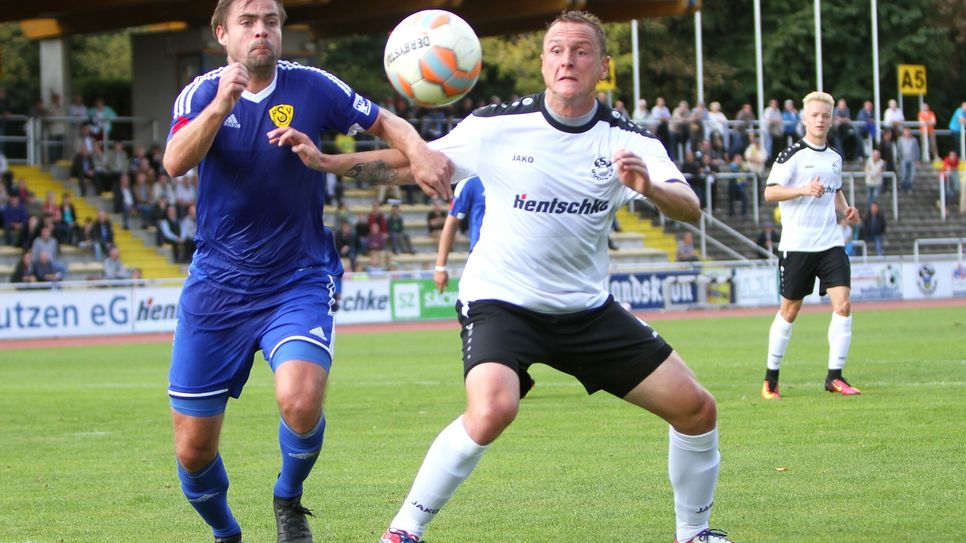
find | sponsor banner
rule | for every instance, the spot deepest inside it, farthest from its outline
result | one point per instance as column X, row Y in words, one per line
column 876, row 282
column 100, row 311
column 419, row 299
column 756, row 286
column 659, row 290
column 364, row 300
column 933, row 280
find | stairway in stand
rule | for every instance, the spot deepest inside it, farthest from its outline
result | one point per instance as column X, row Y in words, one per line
column 135, row 253
column 654, row 236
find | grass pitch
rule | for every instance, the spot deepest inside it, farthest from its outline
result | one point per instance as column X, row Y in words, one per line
column 86, row 447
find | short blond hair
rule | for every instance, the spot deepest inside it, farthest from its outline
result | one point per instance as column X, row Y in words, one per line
column 818, row 96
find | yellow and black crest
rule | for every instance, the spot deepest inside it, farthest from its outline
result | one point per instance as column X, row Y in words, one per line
column 282, row 115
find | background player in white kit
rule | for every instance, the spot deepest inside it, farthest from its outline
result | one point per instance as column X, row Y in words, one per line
column 806, row 180
column 556, row 166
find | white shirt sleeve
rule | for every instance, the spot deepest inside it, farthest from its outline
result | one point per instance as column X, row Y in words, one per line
column 462, row 146
column 782, row 173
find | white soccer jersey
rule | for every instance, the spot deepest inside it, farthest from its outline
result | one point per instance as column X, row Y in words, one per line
column 808, row 223
column 551, row 196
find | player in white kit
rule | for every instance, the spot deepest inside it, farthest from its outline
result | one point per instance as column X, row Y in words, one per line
column 556, row 167
column 806, row 180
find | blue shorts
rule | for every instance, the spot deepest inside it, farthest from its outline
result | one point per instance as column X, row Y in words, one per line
column 219, row 331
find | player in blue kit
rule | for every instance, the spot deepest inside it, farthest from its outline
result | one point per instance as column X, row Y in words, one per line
column 262, row 277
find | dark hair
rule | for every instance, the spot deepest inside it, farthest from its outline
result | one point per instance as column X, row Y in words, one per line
column 220, row 16
column 586, row 18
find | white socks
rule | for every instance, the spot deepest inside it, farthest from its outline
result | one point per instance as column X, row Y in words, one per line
column 450, row 461
column 839, row 339
column 778, row 337
column 692, row 466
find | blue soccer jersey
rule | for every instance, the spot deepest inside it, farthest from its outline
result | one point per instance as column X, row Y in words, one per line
column 257, row 229
column 468, row 201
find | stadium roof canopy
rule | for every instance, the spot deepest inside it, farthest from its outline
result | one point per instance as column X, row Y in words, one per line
column 55, row 18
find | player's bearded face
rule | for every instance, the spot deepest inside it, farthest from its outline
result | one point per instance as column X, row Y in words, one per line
column 254, row 35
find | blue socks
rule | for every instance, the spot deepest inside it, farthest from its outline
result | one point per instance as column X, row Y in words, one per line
column 299, row 453
column 207, row 492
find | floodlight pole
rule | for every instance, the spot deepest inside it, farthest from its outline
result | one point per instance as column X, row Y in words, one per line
column 875, row 70
column 818, row 46
column 698, row 57
column 759, row 77
column 635, row 53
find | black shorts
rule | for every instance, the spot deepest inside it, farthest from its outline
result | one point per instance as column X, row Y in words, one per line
column 606, row 348
column 798, row 271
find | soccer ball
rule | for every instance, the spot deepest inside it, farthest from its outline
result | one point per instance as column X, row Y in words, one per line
column 433, row 58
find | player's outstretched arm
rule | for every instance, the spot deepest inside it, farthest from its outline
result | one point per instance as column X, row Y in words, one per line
column 675, row 200
column 189, row 145
column 382, row 167
column 431, row 169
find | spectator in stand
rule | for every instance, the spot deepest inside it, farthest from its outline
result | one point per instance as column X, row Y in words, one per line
column 362, row 233
column 85, row 140
column 888, row 151
column 704, row 184
column 189, row 227
column 114, row 269
column 159, row 211
column 718, row 124
column 170, row 230
column 843, row 132
column 77, row 111
column 874, row 227
column 691, row 169
column 82, row 169
column 755, row 156
column 15, row 216
column 381, row 193
column 874, row 166
column 116, row 162
column 866, row 123
column 345, row 243
column 99, row 156
column 399, row 240
column 956, row 123
column 46, row 243
column 163, row 188
column 376, row 242
column 738, row 186
column 185, row 193
column 641, row 115
column 435, row 220
column 23, row 271
column 143, row 199
column 908, row 156
column 50, row 203
column 774, row 129
column 85, row 236
column 30, row 232
column 46, row 270
column 67, row 220
column 124, row 200
column 102, row 117
column 697, row 125
column 768, row 238
column 685, row 251
column 343, row 215
column 893, row 118
column 660, row 118
column 679, row 126
column 953, row 181
column 791, row 123
column 376, row 216
column 56, row 127
column 6, row 176
column 927, row 124
column 26, row 196
column 744, row 125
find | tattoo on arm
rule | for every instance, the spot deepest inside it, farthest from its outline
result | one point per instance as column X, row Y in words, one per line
column 377, row 173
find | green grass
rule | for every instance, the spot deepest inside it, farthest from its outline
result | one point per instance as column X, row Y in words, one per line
column 86, row 447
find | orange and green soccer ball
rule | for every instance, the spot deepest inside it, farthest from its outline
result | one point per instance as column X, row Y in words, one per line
column 433, row 58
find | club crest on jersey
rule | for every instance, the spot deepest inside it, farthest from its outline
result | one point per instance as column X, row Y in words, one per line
column 603, row 170
column 282, row 115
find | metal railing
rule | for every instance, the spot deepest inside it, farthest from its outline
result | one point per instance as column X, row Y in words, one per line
column 701, row 230
column 958, row 242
